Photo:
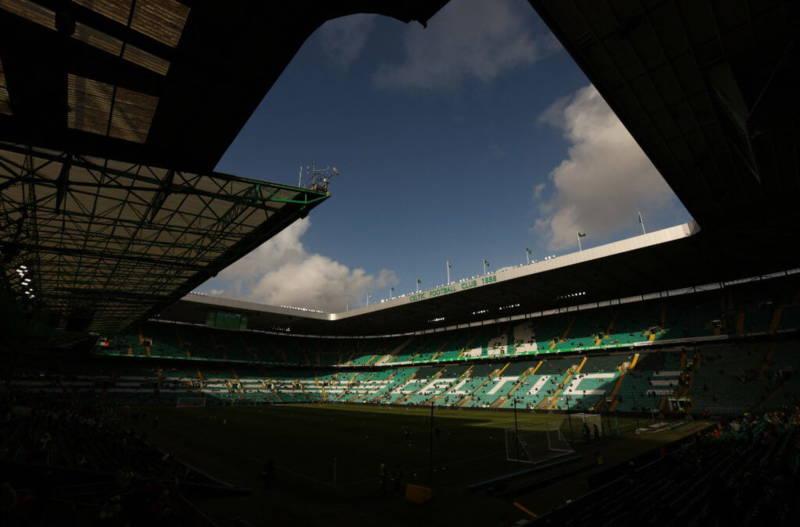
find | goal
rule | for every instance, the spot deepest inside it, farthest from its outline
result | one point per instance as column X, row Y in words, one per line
column 190, row 402
column 582, row 427
column 535, row 446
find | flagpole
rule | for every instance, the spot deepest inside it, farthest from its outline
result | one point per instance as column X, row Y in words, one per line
column 641, row 222
column 448, row 271
column 528, row 255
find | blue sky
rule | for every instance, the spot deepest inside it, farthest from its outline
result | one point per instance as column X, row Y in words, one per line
column 474, row 138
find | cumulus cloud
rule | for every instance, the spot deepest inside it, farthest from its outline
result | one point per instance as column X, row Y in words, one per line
column 283, row 272
column 344, row 38
column 603, row 181
column 467, row 39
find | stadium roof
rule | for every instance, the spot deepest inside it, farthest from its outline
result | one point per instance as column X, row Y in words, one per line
column 104, row 243
column 160, row 82
column 707, row 89
column 113, row 115
column 665, row 260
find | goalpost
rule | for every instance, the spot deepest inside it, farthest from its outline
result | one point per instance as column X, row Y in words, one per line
column 190, row 402
column 582, row 427
column 535, row 446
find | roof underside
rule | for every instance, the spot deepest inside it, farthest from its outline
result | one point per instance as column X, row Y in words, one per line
column 707, row 90
column 141, row 80
column 104, row 243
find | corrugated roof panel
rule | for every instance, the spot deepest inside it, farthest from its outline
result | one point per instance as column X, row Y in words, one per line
column 117, row 10
column 162, row 20
column 132, row 115
column 31, row 11
column 89, row 104
column 5, row 102
column 145, row 59
column 98, row 39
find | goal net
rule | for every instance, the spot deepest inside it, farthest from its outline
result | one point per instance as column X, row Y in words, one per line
column 582, row 427
column 535, row 446
column 190, row 402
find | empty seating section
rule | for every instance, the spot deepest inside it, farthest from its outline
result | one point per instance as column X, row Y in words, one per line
column 548, row 331
column 421, row 349
column 420, row 388
column 585, row 329
column 364, row 387
column 452, row 347
column 531, row 390
column 656, row 375
column 478, row 341
column 634, row 323
column 495, row 384
column 437, row 386
column 734, row 371
column 396, row 378
column 691, row 316
column 523, row 337
column 790, row 318
column 588, row 387
column 462, row 392
column 363, row 352
column 720, row 378
column 164, row 342
column 755, row 321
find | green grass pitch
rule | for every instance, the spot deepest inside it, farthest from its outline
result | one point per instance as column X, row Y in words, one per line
column 328, row 459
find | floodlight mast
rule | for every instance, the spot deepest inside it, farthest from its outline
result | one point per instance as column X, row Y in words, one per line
column 316, row 178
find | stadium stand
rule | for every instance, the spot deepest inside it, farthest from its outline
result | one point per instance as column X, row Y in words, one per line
column 733, row 370
column 685, row 318
column 717, row 378
column 743, row 472
column 114, row 115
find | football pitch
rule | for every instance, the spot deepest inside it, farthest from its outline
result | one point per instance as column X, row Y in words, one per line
column 328, row 459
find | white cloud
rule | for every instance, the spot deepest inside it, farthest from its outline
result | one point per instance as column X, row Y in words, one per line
column 603, row 181
column 344, row 38
column 467, row 39
column 282, row 272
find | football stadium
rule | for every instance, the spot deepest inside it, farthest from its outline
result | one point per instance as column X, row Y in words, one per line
column 652, row 380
